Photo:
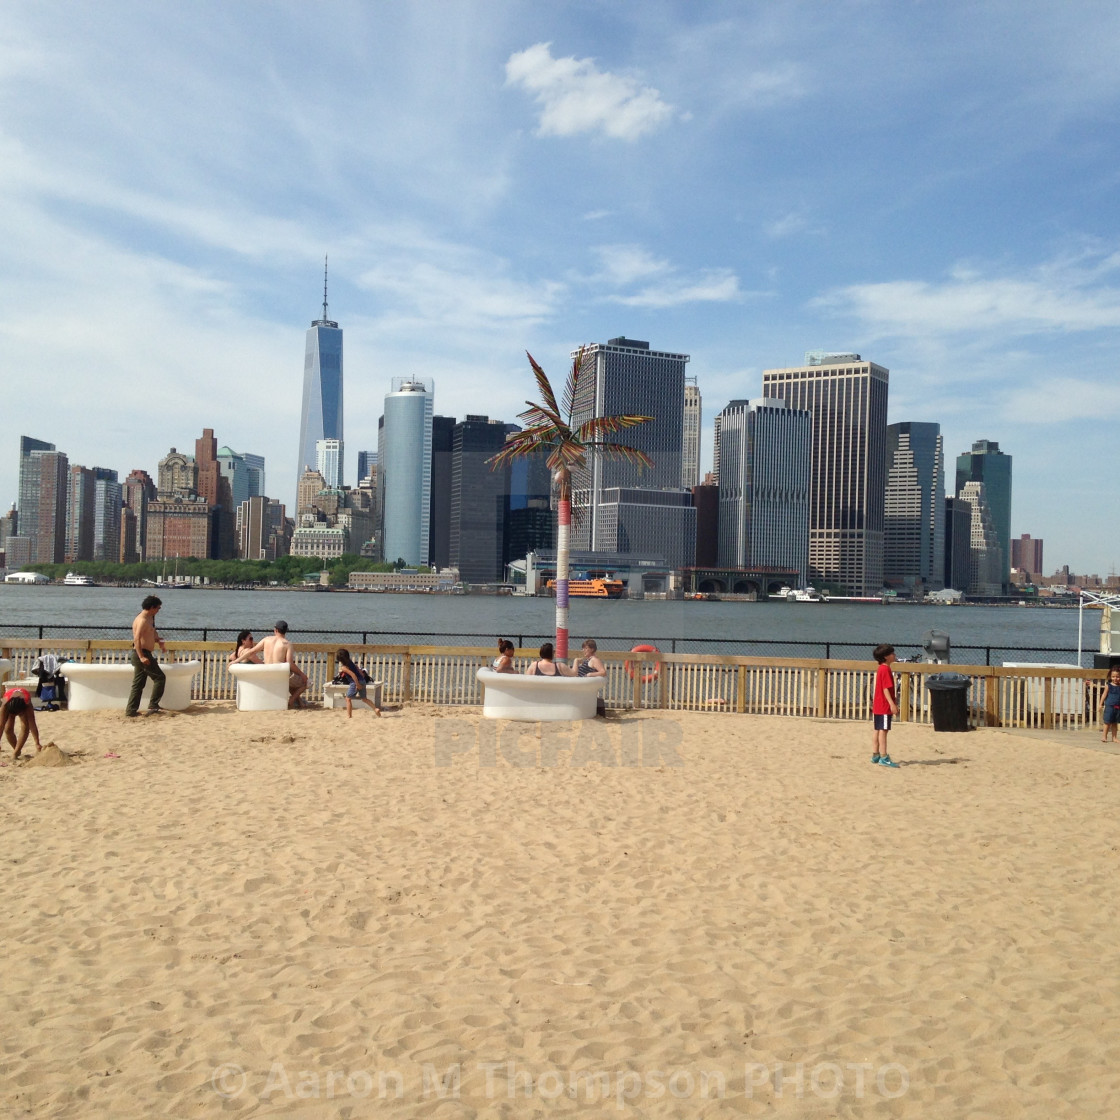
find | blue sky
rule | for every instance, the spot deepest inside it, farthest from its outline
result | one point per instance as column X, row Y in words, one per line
column 931, row 185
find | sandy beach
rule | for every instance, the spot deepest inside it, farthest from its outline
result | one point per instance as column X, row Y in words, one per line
column 656, row 915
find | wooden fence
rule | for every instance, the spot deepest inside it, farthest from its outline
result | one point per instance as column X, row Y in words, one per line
column 1023, row 696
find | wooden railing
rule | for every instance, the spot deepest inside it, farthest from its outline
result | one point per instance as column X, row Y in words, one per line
column 1046, row 697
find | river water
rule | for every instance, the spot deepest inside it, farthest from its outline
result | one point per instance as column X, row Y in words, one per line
column 978, row 634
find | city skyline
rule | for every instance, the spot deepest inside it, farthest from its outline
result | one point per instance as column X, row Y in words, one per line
column 165, row 222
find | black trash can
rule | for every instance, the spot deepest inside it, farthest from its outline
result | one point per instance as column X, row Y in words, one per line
column 948, row 701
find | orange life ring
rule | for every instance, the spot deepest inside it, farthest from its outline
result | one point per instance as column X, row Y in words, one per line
column 654, row 672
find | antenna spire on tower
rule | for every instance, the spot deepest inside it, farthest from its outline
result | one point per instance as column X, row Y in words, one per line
column 324, row 286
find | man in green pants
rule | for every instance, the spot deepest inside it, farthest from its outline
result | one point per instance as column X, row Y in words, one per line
column 144, row 664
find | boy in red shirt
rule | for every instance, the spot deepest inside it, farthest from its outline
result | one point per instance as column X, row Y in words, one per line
column 884, row 704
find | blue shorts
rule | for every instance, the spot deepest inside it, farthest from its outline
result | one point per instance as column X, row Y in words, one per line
column 1111, row 713
column 356, row 692
column 883, row 723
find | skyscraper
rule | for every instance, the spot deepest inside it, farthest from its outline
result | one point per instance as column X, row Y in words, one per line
column 690, row 451
column 848, row 401
column 328, row 461
column 29, row 489
column 764, row 480
column 914, row 514
column 79, row 514
column 405, row 456
column 624, row 376
column 106, row 515
column 439, row 511
column 1026, row 554
column 987, row 464
column 986, row 560
column 479, row 500
column 321, row 417
column 45, row 480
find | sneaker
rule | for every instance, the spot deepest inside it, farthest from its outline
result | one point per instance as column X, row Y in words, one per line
column 885, row 760
column 875, row 759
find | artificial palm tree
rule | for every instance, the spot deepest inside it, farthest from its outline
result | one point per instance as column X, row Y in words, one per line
column 548, row 430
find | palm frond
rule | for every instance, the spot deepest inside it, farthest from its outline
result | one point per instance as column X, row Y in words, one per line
column 599, row 426
column 571, row 386
column 544, row 385
column 620, row 451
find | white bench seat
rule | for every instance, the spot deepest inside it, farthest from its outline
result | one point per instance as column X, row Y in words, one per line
column 514, row 696
column 261, row 688
column 99, row 687
column 334, row 695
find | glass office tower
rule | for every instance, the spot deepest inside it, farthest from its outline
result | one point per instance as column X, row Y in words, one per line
column 321, row 417
column 405, row 459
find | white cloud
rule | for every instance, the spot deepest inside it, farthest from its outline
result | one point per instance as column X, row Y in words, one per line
column 624, row 264
column 718, row 285
column 575, row 96
column 1054, row 298
column 1056, row 400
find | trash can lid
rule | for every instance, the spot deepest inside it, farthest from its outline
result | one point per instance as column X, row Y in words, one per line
column 948, row 681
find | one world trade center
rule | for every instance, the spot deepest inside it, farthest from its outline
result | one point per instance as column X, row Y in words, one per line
column 321, row 418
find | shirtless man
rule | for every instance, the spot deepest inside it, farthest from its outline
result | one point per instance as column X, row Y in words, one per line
column 278, row 650
column 144, row 665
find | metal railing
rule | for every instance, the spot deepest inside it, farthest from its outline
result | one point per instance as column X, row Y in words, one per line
column 742, row 647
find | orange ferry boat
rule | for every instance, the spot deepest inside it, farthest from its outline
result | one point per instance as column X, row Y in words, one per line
column 591, row 588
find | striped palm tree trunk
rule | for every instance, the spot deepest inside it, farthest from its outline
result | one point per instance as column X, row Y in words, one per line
column 563, row 547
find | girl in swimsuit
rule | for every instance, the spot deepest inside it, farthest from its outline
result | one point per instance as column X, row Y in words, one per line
column 503, row 663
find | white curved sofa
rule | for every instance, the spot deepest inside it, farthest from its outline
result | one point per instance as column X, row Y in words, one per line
column 261, row 688
column 515, row 696
column 95, row 687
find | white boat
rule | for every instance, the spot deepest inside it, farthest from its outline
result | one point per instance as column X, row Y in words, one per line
column 74, row 580
column 806, row 595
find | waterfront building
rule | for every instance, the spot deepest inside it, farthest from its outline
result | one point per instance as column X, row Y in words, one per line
column 139, row 490
column 328, row 542
column 176, row 475
column 958, row 543
column 705, row 498
column 690, row 435
column 262, row 529
column 439, row 511
column 1026, row 554
column 479, row 499
column 254, row 466
column 127, row 553
column 328, row 461
column 367, row 464
column 45, row 479
column 987, row 464
column 311, row 485
column 914, row 512
column 764, row 479
column 405, row 455
column 79, row 514
column 986, row 561
column 9, row 526
column 531, row 522
column 214, row 489
column 847, row 398
column 106, row 515
column 321, row 413
column 637, row 519
column 17, row 552
column 235, row 470
column 29, row 488
column 624, row 376
column 178, row 527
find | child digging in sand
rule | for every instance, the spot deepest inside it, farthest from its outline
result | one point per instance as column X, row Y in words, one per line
column 17, row 706
column 883, row 705
column 357, row 680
